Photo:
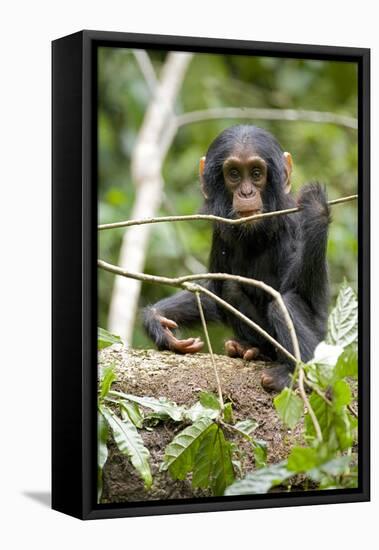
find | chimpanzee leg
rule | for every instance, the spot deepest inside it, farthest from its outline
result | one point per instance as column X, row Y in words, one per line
column 179, row 310
column 276, row 378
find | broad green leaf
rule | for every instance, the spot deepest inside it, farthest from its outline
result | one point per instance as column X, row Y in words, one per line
column 198, row 411
column 132, row 410
column 209, row 400
column 260, row 481
column 130, row 443
column 213, row 466
column 289, row 407
column 343, row 320
column 162, row 405
column 246, row 426
column 334, row 467
column 203, row 459
column 321, row 368
column 323, row 413
column 302, row 459
column 228, row 413
column 108, row 377
column 341, row 394
column 260, row 453
column 106, row 339
column 180, row 453
column 326, row 354
column 102, row 452
column 347, row 364
column 343, row 430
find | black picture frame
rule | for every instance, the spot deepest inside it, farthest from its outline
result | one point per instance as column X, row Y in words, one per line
column 74, row 271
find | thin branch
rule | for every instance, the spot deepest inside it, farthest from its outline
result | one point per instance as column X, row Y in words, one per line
column 211, row 217
column 185, row 283
column 219, row 389
column 193, row 287
column 352, row 411
column 147, row 69
column 306, row 402
column 267, row 114
column 318, row 391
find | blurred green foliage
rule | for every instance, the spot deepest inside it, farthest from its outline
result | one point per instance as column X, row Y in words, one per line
column 324, row 152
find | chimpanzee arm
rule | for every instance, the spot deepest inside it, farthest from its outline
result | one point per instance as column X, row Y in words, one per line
column 179, row 310
column 312, row 281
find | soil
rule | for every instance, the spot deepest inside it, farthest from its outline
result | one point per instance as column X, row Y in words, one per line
column 180, row 379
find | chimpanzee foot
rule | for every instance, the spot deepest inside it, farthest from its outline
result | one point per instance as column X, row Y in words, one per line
column 276, row 378
column 233, row 348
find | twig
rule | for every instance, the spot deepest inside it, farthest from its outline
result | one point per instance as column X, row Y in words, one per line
column 267, row 114
column 185, row 283
column 147, row 69
column 211, row 217
column 219, row 389
column 318, row 391
column 241, row 316
column 352, row 411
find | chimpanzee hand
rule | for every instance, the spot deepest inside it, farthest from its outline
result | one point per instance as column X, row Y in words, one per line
column 190, row 345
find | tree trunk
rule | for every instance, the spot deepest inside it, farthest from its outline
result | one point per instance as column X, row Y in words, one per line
column 181, row 378
column 154, row 139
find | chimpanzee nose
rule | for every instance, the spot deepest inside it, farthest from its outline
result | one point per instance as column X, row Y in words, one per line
column 247, row 191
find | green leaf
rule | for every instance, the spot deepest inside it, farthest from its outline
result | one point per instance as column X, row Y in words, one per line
column 133, row 412
column 106, row 339
column 228, row 413
column 347, row 364
column 326, row 354
column 341, row 394
column 180, row 453
column 198, row 411
column 323, row 413
column 213, row 466
column 108, row 377
column 260, row 481
column 343, row 430
column 334, row 467
column 289, row 407
column 302, row 459
column 162, row 405
column 260, row 453
column 343, row 320
column 130, row 443
column 209, row 400
column 102, row 452
column 246, row 426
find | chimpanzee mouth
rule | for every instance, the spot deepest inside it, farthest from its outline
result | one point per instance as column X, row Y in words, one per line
column 248, row 213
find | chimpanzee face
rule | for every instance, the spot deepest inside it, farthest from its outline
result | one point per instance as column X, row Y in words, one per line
column 245, row 172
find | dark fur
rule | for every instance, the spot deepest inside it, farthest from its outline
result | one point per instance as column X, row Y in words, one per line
column 287, row 252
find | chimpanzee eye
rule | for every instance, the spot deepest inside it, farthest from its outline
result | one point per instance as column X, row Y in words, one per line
column 234, row 174
column 256, row 173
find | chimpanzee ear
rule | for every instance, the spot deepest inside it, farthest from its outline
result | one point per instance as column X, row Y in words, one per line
column 288, row 171
column 201, row 172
